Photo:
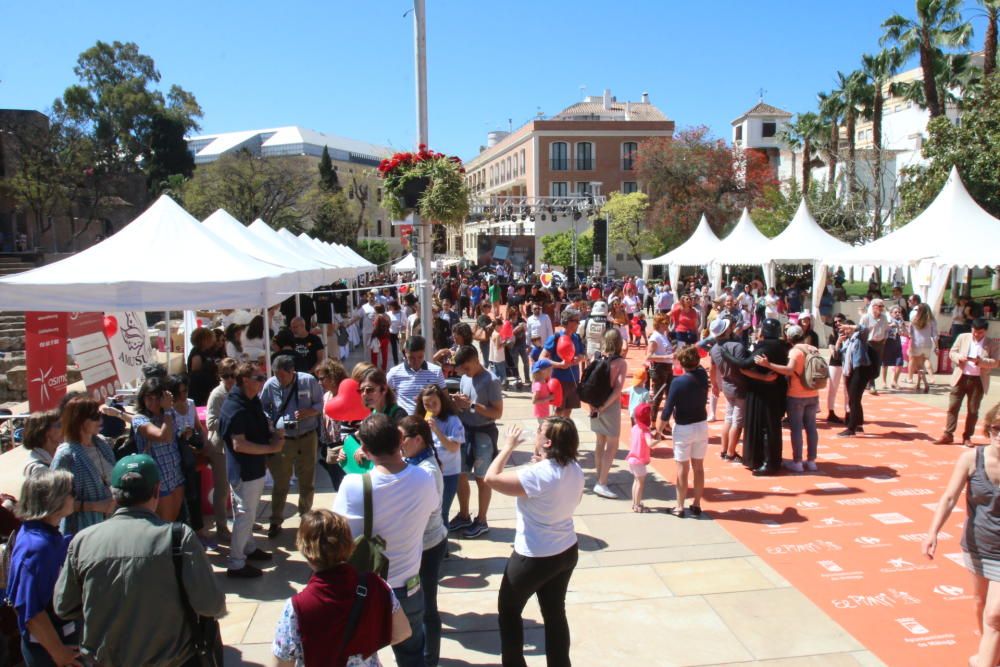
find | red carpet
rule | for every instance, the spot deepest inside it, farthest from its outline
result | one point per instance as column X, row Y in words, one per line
column 848, row 536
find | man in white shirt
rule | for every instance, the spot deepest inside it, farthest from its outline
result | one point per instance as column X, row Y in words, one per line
column 539, row 324
column 974, row 357
column 366, row 315
column 403, row 498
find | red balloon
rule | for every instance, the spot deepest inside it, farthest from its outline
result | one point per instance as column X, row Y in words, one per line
column 566, row 348
column 110, row 326
column 506, row 329
column 555, row 388
column 200, row 323
column 702, row 352
column 678, row 369
column 347, row 405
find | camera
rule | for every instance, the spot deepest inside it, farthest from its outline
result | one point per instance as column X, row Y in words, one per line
column 291, row 423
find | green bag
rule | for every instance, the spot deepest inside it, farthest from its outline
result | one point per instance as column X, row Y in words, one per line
column 369, row 550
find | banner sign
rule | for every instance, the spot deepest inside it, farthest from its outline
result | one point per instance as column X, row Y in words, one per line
column 45, row 352
column 129, row 341
column 92, row 354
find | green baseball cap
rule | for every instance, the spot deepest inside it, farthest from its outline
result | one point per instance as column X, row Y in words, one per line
column 142, row 464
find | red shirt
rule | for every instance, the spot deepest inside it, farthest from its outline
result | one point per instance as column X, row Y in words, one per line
column 684, row 320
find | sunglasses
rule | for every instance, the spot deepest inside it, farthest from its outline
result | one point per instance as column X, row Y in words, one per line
column 228, row 376
column 260, row 378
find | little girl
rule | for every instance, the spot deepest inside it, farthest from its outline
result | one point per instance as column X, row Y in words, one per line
column 541, row 397
column 637, row 328
column 639, row 393
column 638, row 454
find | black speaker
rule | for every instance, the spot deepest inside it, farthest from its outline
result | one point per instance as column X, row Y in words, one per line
column 601, row 240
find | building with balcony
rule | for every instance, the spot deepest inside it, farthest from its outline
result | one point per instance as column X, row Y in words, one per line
column 354, row 161
column 551, row 174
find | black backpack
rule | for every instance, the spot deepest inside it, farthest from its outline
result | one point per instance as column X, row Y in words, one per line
column 595, row 385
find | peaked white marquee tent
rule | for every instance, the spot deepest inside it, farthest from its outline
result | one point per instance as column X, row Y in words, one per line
column 744, row 245
column 163, row 260
column 407, row 264
column 698, row 250
column 953, row 232
column 803, row 241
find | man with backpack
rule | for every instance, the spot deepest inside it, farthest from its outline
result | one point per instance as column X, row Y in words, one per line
column 401, row 500
column 807, row 373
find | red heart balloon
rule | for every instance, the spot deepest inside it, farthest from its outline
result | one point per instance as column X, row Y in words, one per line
column 566, row 348
column 506, row 329
column 110, row 326
column 702, row 352
column 555, row 388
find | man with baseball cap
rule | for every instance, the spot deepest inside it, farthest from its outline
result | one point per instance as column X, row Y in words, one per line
column 123, row 568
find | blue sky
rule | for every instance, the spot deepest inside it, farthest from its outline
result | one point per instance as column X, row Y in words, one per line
column 347, row 67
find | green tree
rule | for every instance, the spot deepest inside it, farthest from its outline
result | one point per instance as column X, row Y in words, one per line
column 375, row 251
column 557, row 250
column 938, row 24
column 831, row 112
column 251, row 187
column 627, row 216
column 973, row 147
column 332, row 219
column 168, row 155
column 116, row 103
column 804, row 133
column 878, row 70
column 991, row 11
column 850, row 89
column 327, row 174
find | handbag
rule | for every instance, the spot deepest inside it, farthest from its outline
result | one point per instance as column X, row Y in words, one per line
column 369, row 550
column 204, row 629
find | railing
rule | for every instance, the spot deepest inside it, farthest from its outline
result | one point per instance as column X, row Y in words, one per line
column 509, row 206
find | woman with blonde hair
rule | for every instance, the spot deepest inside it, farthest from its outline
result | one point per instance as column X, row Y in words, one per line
column 606, row 419
column 315, row 621
column 923, row 343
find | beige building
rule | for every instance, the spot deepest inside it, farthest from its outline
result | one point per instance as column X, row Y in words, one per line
column 551, row 174
column 354, row 161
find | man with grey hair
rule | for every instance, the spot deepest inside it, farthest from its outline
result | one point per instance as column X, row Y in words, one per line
column 293, row 402
column 120, row 582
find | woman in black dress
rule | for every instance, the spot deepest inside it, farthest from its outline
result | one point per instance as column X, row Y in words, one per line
column 203, row 374
column 765, row 403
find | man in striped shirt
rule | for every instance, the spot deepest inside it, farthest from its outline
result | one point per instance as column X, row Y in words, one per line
column 410, row 377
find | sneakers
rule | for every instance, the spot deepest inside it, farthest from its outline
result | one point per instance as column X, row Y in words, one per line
column 794, row 466
column 476, row 528
column 246, row 572
column 604, row 492
column 259, row 554
column 945, row 439
column 459, row 522
column 846, row 433
column 832, row 418
column 811, row 466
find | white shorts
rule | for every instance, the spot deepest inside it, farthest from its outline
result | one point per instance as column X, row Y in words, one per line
column 637, row 469
column 735, row 411
column 690, row 441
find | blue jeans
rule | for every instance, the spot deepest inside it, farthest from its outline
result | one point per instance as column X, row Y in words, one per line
column 430, row 573
column 410, row 653
column 448, row 495
column 802, row 414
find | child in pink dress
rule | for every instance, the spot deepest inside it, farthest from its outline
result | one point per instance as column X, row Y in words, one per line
column 541, row 396
column 639, row 454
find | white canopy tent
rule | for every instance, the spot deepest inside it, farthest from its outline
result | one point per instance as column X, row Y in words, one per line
column 264, row 232
column 235, row 233
column 744, row 245
column 953, row 232
column 307, row 249
column 407, row 264
column 351, row 252
column 803, row 241
column 698, row 250
column 131, row 270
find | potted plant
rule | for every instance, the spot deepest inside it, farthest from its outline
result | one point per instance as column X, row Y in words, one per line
column 429, row 183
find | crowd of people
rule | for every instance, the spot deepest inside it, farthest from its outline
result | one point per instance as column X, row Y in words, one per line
column 401, row 436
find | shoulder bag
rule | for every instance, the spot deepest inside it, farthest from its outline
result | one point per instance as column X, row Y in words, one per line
column 204, row 629
column 369, row 550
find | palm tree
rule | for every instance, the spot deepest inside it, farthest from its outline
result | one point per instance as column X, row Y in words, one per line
column 991, row 10
column 878, row 70
column 849, row 89
column 938, row 24
column 831, row 110
column 803, row 133
column 953, row 72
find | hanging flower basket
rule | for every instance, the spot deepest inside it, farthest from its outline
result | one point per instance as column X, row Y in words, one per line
column 431, row 184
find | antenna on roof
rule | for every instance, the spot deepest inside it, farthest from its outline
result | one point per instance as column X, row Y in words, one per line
column 760, row 94
column 583, row 91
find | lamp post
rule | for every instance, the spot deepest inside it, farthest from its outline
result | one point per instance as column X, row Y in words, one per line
column 422, row 227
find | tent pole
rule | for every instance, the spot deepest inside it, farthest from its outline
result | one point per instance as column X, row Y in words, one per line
column 298, row 305
column 170, row 342
column 267, row 339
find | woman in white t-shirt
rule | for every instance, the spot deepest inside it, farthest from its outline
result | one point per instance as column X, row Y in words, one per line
column 545, row 544
column 434, row 405
column 418, row 450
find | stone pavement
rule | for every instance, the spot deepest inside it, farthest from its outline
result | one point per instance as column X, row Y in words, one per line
column 649, row 589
